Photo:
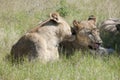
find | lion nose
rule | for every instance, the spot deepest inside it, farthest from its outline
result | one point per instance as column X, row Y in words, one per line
column 100, row 41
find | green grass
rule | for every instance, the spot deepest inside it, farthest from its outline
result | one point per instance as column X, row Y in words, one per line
column 77, row 67
column 19, row 16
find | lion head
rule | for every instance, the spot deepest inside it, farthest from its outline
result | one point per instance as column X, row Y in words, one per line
column 86, row 36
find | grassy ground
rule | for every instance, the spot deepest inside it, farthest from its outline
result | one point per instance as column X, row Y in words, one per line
column 18, row 16
column 78, row 67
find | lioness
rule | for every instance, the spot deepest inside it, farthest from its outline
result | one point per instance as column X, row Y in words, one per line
column 42, row 42
column 86, row 37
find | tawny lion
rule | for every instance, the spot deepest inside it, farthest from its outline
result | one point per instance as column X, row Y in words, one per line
column 86, row 36
column 42, row 42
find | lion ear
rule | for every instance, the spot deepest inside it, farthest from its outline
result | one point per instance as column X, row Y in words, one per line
column 55, row 16
column 76, row 24
column 93, row 18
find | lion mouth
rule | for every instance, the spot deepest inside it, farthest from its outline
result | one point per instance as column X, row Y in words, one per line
column 94, row 46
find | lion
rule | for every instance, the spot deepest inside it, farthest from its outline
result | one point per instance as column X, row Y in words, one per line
column 42, row 41
column 86, row 37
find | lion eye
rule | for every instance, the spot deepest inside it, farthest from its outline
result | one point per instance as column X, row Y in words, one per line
column 89, row 32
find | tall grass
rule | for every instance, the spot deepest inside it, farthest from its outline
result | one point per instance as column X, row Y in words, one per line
column 18, row 16
column 75, row 68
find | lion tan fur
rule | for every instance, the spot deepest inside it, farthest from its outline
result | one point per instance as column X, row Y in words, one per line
column 42, row 41
column 82, row 40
